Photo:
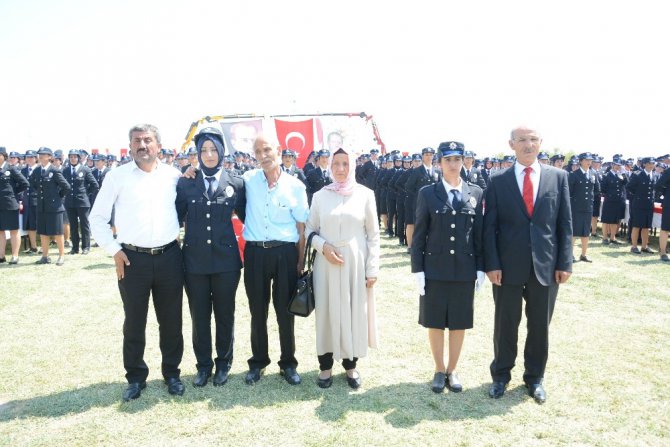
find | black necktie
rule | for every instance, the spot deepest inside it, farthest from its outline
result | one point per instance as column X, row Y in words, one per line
column 456, row 201
column 210, row 189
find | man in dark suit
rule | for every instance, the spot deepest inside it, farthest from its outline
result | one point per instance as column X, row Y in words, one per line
column 471, row 174
column 77, row 202
column 527, row 254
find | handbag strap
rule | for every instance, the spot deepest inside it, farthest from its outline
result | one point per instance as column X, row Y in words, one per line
column 309, row 257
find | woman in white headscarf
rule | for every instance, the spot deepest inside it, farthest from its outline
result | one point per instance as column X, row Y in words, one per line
column 344, row 217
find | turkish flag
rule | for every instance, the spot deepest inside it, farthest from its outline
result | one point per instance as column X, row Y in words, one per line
column 297, row 136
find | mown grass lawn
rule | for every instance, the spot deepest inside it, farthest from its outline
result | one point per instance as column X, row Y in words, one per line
column 607, row 379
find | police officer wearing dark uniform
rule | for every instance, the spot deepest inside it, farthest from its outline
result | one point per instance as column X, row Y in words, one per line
column 447, row 260
column 398, row 185
column 288, row 165
column 613, row 190
column 584, row 186
column 369, row 171
column 381, row 190
column 391, row 195
column 51, row 188
column 29, row 199
column 597, row 172
column 471, row 174
column 205, row 204
column 12, row 182
column 662, row 188
column 641, row 188
column 319, row 176
column 422, row 176
column 77, row 202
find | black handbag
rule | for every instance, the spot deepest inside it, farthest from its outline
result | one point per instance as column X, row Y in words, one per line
column 302, row 301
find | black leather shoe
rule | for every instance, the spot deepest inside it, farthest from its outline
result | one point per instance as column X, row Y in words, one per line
column 635, row 250
column 73, row 252
column 453, row 383
column 354, row 382
column 44, row 260
column 290, row 375
column 201, row 377
column 220, row 377
column 133, row 391
column 253, row 375
column 536, row 391
column 648, row 250
column 497, row 390
column 439, row 382
column 324, row 383
column 664, row 258
column 85, row 251
column 175, row 386
column 585, row 258
column 615, row 242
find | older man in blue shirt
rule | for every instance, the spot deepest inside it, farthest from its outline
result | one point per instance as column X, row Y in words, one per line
column 276, row 213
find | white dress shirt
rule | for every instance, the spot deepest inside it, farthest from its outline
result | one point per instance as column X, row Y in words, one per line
column 448, row 187
column 534, row 177
column 144, row 207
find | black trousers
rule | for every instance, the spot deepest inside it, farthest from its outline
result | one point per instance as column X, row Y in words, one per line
column 162, row 276
column 400, row 229
column 392, row 215
column 78, row 217
column 540, row 301
column 276, row 268
column 206, row 293
column 326, row 362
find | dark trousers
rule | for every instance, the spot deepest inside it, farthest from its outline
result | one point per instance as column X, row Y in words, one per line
column 400, row 229
column 326, row 362
column 162, row 276
column 79, row 217
column 540, row 301
column 206, row 293
column 276, row 268
column 391, row 209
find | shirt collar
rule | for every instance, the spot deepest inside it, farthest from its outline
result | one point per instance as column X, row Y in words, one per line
column 448, row 187
column 518, row 168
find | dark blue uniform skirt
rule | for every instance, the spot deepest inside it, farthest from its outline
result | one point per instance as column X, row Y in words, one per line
column 50, row 224
column 30, row 218
column 447, row 305
column 9, row 220
column 581, row 224
column 613, row 212
column 641, row 218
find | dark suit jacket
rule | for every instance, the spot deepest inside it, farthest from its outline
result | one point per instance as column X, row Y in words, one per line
column 50, row 187
column 368, row 174
column 210, row 244
column 316, row 181
column 297, row 173
column 82, row 184
column 475, row 177
column 514, row 242
column 439, row 250
column 12, row 182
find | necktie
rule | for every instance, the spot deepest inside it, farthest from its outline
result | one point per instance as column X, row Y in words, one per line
column 456, row 199
column 210, row 189
column 528, row 191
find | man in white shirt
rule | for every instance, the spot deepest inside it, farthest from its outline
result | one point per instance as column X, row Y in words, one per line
column 147, row 256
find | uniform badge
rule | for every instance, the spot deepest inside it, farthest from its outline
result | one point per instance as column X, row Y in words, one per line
column 51, row 174
column 7, row 173
column 474, row 177
column 81, row 174
column 473, row 202
column 229, row 191
column 452, row 145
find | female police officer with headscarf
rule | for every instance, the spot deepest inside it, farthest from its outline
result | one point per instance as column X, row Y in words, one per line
column 212, row 262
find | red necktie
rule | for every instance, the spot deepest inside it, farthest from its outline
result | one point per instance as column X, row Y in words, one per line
column 528, row 191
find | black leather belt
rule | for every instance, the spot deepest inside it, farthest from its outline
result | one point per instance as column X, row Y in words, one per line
column 150, row 251
column 269, row 244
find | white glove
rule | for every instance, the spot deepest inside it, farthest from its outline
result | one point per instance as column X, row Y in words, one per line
column 420, row 278
column 481, row 277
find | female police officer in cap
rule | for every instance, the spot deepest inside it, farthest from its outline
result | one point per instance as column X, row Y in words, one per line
column 212, row 262
column 447, row 260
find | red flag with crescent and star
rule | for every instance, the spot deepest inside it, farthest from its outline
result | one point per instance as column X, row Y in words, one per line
column 297, row 136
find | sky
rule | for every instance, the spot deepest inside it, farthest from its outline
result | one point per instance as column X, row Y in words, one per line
column 589, row 75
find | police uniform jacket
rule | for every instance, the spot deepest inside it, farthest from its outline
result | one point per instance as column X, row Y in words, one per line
column 29, row 196
column 295, row 172
column 50, row 187
column 641, row 189
column 368, row 173
column 316, row 179
column 474, row 176
column 82, row 184
column 663, row 188
column 613, row 187
column 12, row 182
column 210, row 245
column 582, row 191
column 390, row 185
column 447, row 244
column 418, row 178
column 399, row 184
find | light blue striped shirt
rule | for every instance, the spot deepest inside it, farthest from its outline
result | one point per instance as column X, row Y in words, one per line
column 272, row 214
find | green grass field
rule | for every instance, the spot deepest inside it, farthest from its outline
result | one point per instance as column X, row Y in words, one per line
column 607, row 378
